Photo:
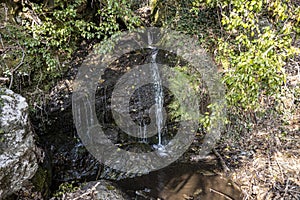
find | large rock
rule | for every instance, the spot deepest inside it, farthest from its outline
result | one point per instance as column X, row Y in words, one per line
column 18, row 152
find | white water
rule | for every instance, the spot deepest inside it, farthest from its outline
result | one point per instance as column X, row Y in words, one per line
column 158, row 90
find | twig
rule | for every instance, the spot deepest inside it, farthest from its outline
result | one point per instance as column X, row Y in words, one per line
column 88, row 191
column 224, row 166
column 294, row 191
column 286, row 187
column 1, row 41
column 221, row 194
column 6, row 11
column 279, row 169
column 269, row 49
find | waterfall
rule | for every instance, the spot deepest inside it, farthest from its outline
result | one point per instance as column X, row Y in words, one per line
column 158, row 90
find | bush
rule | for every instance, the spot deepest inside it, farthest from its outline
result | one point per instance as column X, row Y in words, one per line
column 260, row 41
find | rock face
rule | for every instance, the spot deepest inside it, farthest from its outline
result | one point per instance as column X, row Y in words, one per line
column 69, row 158
column 18, row 152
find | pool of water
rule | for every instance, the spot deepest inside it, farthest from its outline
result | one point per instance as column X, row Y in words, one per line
column 181, row 181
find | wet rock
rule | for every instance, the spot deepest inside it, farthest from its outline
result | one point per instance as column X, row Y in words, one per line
column 95, row 190
column 18, row 153
column 68, row 158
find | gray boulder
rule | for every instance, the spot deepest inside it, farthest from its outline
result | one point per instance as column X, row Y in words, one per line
column 18, row 153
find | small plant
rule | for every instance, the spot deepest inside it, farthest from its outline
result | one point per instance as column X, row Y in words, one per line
column 66, row 188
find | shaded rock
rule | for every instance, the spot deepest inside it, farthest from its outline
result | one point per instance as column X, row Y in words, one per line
column 95, row 190
column 18, row 152
column 68, row 158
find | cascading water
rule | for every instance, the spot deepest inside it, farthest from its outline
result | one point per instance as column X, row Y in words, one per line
column 158, row 90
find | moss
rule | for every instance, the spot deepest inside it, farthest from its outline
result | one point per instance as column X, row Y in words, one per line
column 42, row 181
column 66, row 188
column 110, row 187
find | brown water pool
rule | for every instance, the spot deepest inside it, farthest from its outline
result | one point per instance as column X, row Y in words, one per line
column 181, row 181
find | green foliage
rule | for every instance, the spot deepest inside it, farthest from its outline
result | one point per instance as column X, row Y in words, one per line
column 48, row 37
column 62, row 28
column 256, row 42
column 177, row 82
column 186, row 77
column 184, row 17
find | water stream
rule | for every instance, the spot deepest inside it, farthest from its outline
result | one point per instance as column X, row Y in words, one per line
column 158, row 89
